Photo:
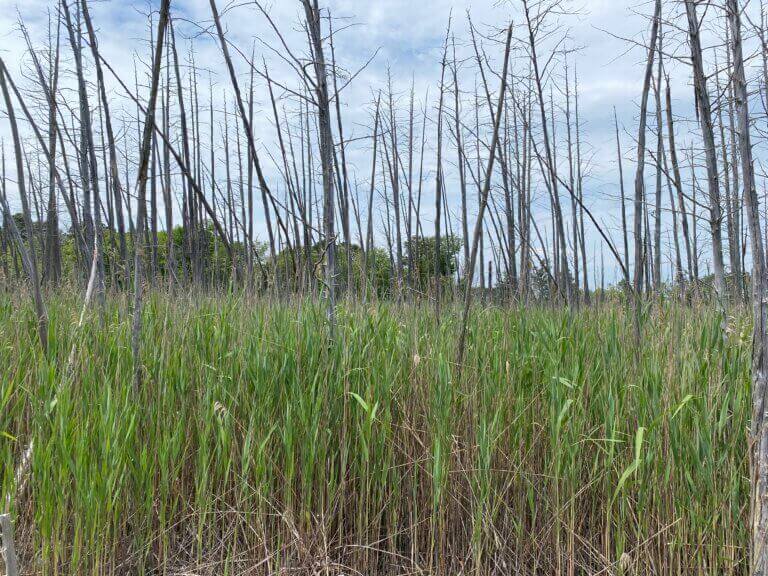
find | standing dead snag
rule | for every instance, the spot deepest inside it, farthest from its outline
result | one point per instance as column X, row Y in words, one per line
column 28, row 257
column 114, row 176
column 551, row 163
column 342, row 176
column 483, row 203
column 659, row 154
column 639, row 174
column 265, row 191
column 625, row 238
column 439, row 174
column 677, row 179
column 460, row 152
column 395, row 176
column 710, row 153
column 52, row 258
column 368, row 278
column 312, row 14
column 758, row 435
column 146, row 142
column 89, row 174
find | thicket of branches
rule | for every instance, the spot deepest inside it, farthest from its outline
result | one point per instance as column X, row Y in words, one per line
column 269, row 210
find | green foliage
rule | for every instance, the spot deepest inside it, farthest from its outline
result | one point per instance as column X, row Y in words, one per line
column 350, row 268
column 215, row 263
column 426, row 262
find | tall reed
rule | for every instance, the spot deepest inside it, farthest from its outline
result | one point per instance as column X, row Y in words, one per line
column 256, row 444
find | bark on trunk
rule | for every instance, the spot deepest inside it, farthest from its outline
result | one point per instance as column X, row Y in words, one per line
column 708, row 134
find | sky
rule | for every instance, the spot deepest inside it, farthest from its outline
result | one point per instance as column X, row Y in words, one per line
column 403, row 39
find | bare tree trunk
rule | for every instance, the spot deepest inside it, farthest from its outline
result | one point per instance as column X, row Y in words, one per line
column 639, row 174
column 9, row 545
column 409, row 219
column 439, row 177
column 679, row 275
column 53, row 243
column 342, row 174
column 678, row 179
column 170, row 262
column 369, row 243
column 266, row 193
column 572, row 184
column 461, row 158
column 141, row 186
column 89, row 165
column 759, row 426
column 479, row 185
column 728, row 169
column 312, row 14
column 694, row 220
column 580, row 194
column 512, row 277
column 29, row 258
column 188, row 212
column 395, row 176
column 624, row 231
column 705, row 119
column 550, row 160
column 733, row 205
column 659, row 153
column 483, row 203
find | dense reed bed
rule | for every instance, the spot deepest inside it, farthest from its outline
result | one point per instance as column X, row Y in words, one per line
column 257, row 446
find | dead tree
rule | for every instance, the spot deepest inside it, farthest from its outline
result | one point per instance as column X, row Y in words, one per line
column 659, row 153
column 549, row 158
column 758, row 435
column 677, row 179
column 439, row 176
column 369, row 242
column 88, row 163
column 28, row 256
column 580, row 194
column 266, row 193
column 53, row 242
column 483, row 202
column 141, row 185
column 639, row 198
column 113, row 168
column 312, row 14
column 460, row 153
column 710, row 153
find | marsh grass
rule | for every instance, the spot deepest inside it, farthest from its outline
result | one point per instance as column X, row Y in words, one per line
column 256, row 445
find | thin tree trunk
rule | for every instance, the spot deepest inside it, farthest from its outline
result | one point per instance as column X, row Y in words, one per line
column 640, row 170
column 562, row 259
column 461, row 158
column 758, row 435
column 580, row 194
column 28, row 257
column 439, row 178
column 678, row 182
column 53, row 243
column 624, row 231
column 705, row 120
column 141, row 185
column 89, row 164
column 369, row 244
column 312, row 15
column 659, row 153
column 483, row 203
